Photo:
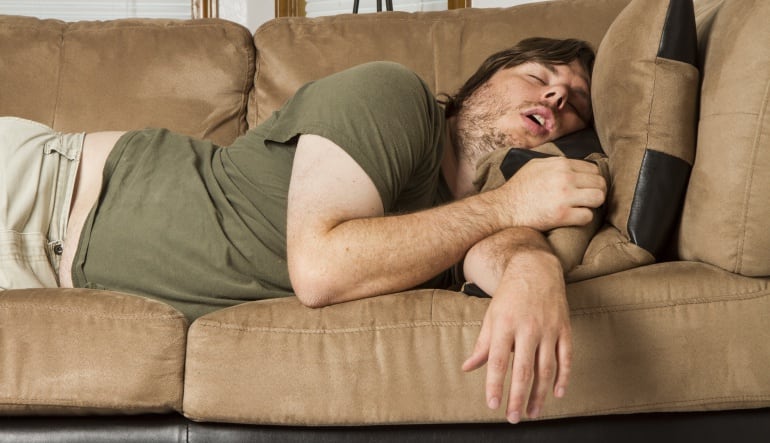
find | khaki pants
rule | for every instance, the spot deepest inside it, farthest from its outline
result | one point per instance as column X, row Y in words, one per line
column 38, row 167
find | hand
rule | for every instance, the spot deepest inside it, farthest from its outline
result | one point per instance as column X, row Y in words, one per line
column 529, row 316
column 553, row 192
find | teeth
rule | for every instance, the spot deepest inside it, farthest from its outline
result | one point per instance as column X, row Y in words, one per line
column 539, row 119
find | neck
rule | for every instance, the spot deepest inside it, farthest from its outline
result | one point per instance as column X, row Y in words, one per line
column 458, row 171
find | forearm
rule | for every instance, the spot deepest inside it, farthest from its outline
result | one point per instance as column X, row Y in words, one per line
column 488, row 260
column 362, row 257
column 341, row 247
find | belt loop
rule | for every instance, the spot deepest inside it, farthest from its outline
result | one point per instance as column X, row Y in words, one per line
column 49, row 147
column 63, row 145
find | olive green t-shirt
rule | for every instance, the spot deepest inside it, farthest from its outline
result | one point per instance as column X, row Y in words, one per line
column 202, row 227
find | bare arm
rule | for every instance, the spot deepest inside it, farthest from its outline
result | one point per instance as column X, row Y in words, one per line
column 528, row 314
column 340, row 247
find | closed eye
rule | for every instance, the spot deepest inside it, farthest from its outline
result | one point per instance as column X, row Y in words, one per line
column 540, row 80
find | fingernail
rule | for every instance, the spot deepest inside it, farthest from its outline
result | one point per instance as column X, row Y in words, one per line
column 534, row 413
column 559, row 392
column 493, row 403
column 513, row 417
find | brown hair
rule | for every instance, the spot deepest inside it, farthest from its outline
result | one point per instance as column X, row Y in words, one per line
column 536, row 49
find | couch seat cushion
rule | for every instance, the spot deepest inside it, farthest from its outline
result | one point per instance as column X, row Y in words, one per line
column 665, row 337
column 77, row 351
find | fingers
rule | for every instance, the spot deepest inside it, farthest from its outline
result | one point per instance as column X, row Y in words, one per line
column 522, row 376
column 497, row 366
column 576, row 217
column 582, row 166
column 495, row 353
column 545, row 368
column 480, row 351
column 529, row 319
column 585, row 174
column 537, row 366
column 588, row 190
column 554, row 192
column 564, row 357
column 579, row 185
column 590, row 181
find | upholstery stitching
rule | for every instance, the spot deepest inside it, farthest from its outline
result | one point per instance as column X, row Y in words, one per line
column 636, row 407
column 613, row 245
column 37, row 307
column 59, row 403
column 721, row 114
column 747, row 296
column 59, row 76
column 750, row 180
column 253, row 99
column 436, row 54
column 252, row 61
column 161, row 24
column 281, row 330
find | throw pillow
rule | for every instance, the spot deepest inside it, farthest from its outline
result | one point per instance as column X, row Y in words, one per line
column 569, row 243
column 644, row 92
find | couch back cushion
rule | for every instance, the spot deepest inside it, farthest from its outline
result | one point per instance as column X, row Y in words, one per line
column 726, row 218
column 443, row 47
column 645, row 101
column 189, row 76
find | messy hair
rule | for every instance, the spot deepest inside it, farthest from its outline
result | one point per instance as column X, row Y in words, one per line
column 537, row 49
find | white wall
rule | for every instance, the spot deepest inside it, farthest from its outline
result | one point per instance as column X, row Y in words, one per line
column 317, row 8
column 499, row 3
column 253, row 13
column 249, row 13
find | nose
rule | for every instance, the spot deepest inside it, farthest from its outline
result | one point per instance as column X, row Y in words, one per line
column 556, row 96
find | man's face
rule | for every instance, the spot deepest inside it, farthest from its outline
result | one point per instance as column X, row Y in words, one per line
column 524, row 106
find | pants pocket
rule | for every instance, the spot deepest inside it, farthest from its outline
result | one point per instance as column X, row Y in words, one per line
column 25, row 262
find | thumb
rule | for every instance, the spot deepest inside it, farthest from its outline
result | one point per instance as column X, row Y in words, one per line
column 480, row 351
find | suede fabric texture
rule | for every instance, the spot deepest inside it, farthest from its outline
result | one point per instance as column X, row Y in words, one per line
column 726, row 218
column 77, row 351
column 29, row 72
column 444, row 48
column 645, row 340
column 93, row 76
column 644, row 107
column 666, row 337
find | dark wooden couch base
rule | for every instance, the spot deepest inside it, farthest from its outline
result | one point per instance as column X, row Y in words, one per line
column 751, row 425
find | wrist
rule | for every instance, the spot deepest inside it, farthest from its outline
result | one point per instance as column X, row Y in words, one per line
column 496, row 207
column 534, row 259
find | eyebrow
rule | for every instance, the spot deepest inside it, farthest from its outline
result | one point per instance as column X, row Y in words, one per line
column 582, row 92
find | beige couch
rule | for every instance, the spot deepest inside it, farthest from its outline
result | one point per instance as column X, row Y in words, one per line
column 689, row 334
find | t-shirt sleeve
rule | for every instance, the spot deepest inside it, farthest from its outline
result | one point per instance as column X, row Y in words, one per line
column 385, row 117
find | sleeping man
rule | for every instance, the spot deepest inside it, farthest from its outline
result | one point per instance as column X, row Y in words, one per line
column 360, row 185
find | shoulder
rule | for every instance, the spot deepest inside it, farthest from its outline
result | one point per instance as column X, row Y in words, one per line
column 379, row 77
column 387, row 69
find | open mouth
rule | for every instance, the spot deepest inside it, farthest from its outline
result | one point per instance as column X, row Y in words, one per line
column 540, row 120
